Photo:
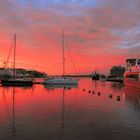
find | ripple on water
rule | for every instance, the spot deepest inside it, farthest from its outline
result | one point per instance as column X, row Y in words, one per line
column 72, row 114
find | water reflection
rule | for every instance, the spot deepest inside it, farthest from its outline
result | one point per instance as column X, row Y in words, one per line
column 71, row 113
column 132, row 96
column 54, row 86
column 63, row 115
column 117, row 85
column 13, row 111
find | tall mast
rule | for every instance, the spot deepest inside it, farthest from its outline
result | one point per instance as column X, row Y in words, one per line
column 63, row 53
column 14, row 71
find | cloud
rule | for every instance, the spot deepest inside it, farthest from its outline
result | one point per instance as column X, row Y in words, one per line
column 105, row 29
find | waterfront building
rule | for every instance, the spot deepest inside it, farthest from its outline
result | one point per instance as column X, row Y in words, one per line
column 131, row 62
column 132, row 73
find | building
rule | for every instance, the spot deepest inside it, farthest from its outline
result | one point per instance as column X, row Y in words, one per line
column 117, row 71
column 131, row 62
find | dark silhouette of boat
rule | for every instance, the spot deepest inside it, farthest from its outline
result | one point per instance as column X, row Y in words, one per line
column 95, row 76
column 14, row 81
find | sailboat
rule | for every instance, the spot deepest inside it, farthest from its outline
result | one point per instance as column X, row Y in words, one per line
column 14, row 81
column 102, row 78
column 63, row 80
column 95, row 75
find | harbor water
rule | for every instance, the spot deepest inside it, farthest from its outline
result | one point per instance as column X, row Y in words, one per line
column 93, row 110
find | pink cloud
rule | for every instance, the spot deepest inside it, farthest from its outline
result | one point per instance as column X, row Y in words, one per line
column 89, row 35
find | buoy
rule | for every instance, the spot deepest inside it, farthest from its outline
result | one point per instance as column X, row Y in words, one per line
column 99, row 93
column 118, row 98
column 89, row 91
column 110, row 96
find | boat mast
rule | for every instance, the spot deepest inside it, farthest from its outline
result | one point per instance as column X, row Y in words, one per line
column 14, row 71
column 63, row 53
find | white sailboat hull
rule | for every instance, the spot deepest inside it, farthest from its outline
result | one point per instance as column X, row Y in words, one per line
column 61, row 81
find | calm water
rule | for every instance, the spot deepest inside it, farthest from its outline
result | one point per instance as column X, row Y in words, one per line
column 48, row 113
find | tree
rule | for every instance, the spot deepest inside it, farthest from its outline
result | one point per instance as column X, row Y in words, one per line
column 117, row 71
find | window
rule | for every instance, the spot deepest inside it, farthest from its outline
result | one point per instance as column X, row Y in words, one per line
column 135, row 76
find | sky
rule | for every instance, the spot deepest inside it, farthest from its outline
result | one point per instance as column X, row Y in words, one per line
column 98, row 34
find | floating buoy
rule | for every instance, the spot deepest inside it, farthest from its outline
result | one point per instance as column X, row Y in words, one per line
column 89, row 91
column 99, row 93
column 110, row 96
column 118, row 98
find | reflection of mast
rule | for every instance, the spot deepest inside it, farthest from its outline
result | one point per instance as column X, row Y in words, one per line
column 13, row 111
column 5, row 102
column 94, row 84
column 63, row 114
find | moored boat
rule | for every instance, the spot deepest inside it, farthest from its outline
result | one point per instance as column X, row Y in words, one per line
column 132, row 75
column 63, row 80
column 95, row 76
column 14, row 81
column 103, row 78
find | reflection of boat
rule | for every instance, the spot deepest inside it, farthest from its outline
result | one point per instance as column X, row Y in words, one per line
column 132, row 76
column 52, row 86
column 14, row 81
column 17, row 82
column 133, row 96
column 117, row 85
column 61, row 80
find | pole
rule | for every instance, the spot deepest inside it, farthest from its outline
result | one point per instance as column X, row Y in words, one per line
column 14, row 70
column 63, row 54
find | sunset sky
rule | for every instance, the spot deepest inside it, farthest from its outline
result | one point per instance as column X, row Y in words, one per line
column 98, row 33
